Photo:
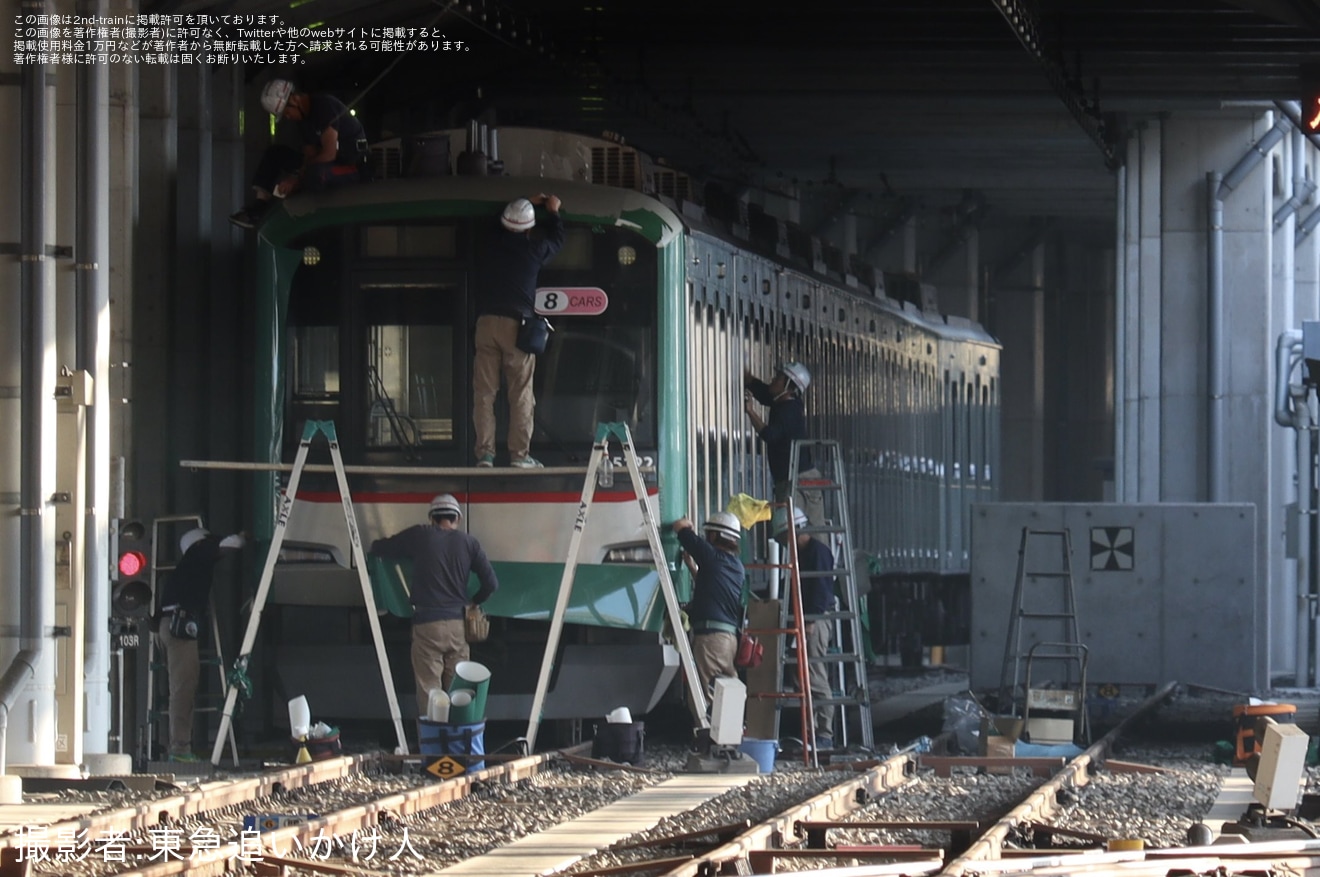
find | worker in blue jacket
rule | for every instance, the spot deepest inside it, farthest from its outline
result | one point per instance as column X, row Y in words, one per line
column 813, row 556
column 784, row 423
column 715, row 612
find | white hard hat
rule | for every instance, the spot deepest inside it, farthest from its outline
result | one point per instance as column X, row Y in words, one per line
column 191, row 538
column 445, row 504
column 798, row 374
column 519, row 215
column 725, row 524
column 276, row 95
column 779, row 521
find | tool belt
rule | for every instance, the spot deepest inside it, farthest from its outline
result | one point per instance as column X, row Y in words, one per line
column 476, row 626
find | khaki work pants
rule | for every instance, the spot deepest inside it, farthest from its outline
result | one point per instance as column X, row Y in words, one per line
column 818, row 644
column 183, row 665
column 437, row 647
column 713, row 654
column 497, row 351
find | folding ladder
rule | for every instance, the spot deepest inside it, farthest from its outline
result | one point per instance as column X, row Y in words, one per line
column 214, row 656
column 600, row 458
column 1043, row 627
column 846, row 659
column 238, row 675
column 791, row 624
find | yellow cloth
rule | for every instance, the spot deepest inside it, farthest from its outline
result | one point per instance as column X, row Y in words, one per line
column 748, row 510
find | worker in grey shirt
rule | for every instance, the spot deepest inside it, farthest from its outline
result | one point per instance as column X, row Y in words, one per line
column 442, row 557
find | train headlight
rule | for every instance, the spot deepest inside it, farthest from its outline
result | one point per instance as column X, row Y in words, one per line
column 639, row 553
column 627, row 255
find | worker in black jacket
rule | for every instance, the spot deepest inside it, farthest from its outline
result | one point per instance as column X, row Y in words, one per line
column 334, row 149
column 785, row 423
column 185, row 600
column 442, row 558
column 507, row 276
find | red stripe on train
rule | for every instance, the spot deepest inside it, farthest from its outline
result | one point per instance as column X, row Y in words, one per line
column 528, row 496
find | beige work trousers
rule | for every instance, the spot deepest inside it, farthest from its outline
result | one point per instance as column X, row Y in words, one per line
column 713, row 654
column 497, row 350
column 437, row 647
column 183, row 666
column 818, row 645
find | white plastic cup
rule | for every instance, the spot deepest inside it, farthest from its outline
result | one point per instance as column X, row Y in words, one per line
column 300, row 717
column 437, row 706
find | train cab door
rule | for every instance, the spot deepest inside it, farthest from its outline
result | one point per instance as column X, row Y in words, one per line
column 408, row 350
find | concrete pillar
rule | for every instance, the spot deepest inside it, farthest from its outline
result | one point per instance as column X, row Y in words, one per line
column 1163, row 334
column 1020, row 324
column 1137, row 311
column 71, row 439
column 1283, row 571
column 154, row 290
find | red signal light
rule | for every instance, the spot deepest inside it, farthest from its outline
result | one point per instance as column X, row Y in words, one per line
column 132, row 563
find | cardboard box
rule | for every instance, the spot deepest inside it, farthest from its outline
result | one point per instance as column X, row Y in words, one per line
column 999, row 736
column 1004, row 729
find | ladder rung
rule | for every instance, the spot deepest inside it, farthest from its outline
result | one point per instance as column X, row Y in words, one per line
column 834, row 658
column 1056, row 615
column 1048, row 575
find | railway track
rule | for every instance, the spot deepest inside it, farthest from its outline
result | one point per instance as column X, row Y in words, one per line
column 865, row 818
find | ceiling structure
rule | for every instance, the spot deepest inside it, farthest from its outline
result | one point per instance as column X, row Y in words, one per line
column 1009, row 106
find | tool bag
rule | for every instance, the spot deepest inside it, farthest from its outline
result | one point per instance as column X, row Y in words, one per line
column 750, row 651
column 476, row 626
column 533, row 334
column 183, row 624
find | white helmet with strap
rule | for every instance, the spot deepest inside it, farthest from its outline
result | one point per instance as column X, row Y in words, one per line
column 798, row 375
column 725, row 524
column 275, row 96
column 779, row 521
column 445, row 505
column 519, row 215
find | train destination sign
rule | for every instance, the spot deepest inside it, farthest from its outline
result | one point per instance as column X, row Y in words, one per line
column 571, row 300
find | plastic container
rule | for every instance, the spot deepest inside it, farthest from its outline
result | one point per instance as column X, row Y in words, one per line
column 437, row 738
column 462, row 709
column 300, row 717
column 761, row 751
column 474, row 677
column 437, row 705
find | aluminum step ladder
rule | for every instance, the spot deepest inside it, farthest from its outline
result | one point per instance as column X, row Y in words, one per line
column 1043, row 628
column 238, row 675
column 846, row 658
column 791, row 624
column 599, row 464
column 158, row 702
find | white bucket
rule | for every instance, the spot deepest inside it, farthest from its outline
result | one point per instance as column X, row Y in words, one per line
column 437, row 707
column 300, row 717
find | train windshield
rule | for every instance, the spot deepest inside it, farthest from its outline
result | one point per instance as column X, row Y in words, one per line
column 380, row 340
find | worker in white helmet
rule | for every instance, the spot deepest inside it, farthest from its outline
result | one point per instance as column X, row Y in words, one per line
column 442, row 558
column 715, row 611
column 784, row 423
column 185, row 599
column 334, row 149
column 506, row 311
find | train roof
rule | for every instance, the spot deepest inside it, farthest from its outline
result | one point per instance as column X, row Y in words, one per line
column 413, row 197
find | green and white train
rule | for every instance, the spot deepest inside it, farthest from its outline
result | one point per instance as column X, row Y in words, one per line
column 366, row 304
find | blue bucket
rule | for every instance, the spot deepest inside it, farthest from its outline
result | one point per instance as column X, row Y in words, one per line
column 761, row 751
column 441, row 738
